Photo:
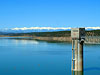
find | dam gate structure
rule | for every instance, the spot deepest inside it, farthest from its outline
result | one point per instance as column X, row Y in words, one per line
column 78, row 38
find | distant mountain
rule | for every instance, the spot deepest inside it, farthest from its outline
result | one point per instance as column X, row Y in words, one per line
column 40, row 29
column 3, row 33
column 30, row 30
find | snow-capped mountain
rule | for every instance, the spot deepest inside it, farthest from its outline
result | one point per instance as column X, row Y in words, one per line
column 33, row 29
column 41, row 29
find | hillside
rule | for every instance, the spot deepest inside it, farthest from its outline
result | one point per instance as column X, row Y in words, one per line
column 51, row 34
column 43, row 34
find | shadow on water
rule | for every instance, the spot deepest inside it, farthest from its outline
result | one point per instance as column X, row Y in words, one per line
column 90, row 45
column 86, row 69
column 92, row 68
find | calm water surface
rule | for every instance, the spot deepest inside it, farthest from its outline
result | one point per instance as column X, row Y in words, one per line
column 31, row 57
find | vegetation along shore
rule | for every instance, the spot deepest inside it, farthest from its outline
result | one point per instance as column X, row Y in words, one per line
column 62, row 36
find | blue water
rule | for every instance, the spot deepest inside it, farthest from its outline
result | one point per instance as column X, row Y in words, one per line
column 31, row 57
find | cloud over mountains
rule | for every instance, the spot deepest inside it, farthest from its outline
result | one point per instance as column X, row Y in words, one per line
column 51, row 28
column 94, row 28
column 40, row 29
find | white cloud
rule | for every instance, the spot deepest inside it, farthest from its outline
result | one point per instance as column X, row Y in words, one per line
column 40, row 28
column 92, row 28
column 48, row 28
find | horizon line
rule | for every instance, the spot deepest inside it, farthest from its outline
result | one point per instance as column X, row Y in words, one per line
column 48, row 28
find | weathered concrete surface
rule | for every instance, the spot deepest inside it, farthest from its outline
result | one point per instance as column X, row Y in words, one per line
column 62, row 39
column 80, row 57
column 76, row 55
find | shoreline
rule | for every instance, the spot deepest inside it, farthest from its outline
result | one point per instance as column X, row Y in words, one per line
column 14, row 36
column 60, row 39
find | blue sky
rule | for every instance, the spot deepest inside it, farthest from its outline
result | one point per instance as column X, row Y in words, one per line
column 49, row 13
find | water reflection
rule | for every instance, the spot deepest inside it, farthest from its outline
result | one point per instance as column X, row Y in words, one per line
column 77, row 73
column 26, row 42
column 53, row 58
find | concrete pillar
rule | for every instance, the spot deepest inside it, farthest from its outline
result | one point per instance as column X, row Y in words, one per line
column 77, row 73
column 76, row 55
column 80, row 56
column 72, row 54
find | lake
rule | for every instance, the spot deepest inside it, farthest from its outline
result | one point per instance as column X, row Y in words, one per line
column 30, row 57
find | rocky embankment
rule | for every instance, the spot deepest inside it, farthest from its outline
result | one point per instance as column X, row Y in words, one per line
column 60, row 39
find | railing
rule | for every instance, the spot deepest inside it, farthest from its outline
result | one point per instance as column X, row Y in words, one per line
column 92, row 38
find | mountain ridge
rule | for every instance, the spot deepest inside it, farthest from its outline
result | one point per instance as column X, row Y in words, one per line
column 41, row 29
